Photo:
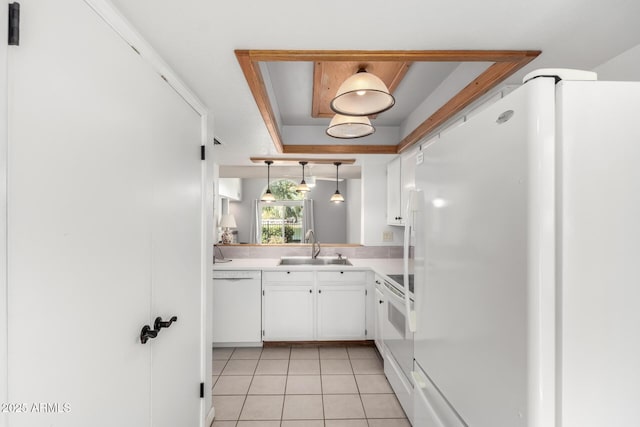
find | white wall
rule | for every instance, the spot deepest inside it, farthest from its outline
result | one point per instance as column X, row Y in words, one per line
column 309, row 135
column 624, row 67
column 3, row 214
column 354, row 210
column 374, row 202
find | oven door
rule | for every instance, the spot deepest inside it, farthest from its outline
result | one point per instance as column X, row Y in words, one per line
column 397, row 337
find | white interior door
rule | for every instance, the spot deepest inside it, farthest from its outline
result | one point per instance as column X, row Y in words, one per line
column 176, row 261
column 103, row 229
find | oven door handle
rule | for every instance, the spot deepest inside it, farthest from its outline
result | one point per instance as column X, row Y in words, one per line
column 395, row 292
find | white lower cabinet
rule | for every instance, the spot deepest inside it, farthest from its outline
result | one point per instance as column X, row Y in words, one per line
column 341, row 312
column 380, row 310
column 288, row 312
column 311, row 305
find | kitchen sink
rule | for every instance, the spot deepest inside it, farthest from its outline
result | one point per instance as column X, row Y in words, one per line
column 313, row 261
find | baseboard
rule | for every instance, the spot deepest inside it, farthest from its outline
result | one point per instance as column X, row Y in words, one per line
column 364, row 343
column 210, row 416
column 237, row 344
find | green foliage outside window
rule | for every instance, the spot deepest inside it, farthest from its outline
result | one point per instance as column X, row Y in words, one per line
column 281, row 223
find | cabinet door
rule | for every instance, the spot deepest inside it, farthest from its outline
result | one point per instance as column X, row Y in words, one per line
column 407, row 181
column 288, row 312
column 341, row 312
column 380, row 313
column 393, row 192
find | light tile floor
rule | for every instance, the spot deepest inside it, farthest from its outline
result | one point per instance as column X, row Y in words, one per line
column 302, row 386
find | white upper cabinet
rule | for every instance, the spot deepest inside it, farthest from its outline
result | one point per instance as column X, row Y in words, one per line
column 394, row 201
column 230, row 188
column 400, row 180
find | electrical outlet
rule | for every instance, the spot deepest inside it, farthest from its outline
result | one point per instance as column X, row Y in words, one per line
column 387, row 236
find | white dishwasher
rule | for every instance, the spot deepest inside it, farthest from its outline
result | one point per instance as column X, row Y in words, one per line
column 237, row 305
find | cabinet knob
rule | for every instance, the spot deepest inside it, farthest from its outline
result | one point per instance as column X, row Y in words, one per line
column 310, row 291
column 381, row 302
column 342, row 272
column 377, row 282
column 288, row 272
column 319, row 291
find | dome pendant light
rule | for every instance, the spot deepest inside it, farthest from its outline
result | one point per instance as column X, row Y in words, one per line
column 347, row 127
column 362, row 94
column 337, row 197
column 267, row 196
column 303, row 187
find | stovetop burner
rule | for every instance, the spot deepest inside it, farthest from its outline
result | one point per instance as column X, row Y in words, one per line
column 399, row 279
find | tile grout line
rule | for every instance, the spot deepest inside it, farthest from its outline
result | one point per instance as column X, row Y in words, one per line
column 324, row 415
column 247, row 394
column 364, row 411
column 284, row 392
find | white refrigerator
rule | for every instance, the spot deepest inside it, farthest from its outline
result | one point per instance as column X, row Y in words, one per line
column 527, row 261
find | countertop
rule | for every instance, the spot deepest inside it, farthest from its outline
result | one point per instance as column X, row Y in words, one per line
column 384, row 266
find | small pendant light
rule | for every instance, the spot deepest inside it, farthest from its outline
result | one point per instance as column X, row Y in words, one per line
column 337, row 197
column 303, row 187
column 362, row 94
column 267, row 196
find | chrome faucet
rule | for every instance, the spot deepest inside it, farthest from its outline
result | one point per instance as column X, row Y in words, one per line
column 310, row 235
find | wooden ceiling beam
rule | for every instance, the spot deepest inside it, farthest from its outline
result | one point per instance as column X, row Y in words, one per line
column 340, row 149
column 296, row 161
column 391, row 55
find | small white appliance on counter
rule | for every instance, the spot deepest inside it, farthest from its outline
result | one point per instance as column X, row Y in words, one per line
column 527, row 261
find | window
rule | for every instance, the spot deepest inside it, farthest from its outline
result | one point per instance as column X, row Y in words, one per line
column 282, row 221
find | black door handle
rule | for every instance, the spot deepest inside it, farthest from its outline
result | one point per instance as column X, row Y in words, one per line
column 147, row 333
column 159, row 323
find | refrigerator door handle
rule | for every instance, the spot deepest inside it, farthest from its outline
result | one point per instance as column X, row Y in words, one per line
column 410, row 218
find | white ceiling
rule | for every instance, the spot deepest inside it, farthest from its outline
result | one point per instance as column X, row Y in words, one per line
column 197, row 39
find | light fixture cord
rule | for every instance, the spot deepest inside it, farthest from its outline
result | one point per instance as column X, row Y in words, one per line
column 268, row 176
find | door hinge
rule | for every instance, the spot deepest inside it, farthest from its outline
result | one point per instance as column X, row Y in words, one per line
column 263, row 292
column 14, row 24
column 366, row 292
column 263, row 332
column 201, row 390
column 366, row 332
column 202, row 152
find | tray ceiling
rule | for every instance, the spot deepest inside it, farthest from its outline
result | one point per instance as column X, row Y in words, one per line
column 292, row 90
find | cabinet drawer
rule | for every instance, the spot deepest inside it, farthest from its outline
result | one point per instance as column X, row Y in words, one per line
column 287, row 276
column 342, row 276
